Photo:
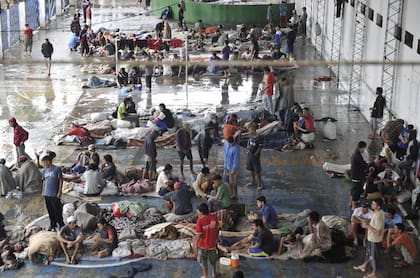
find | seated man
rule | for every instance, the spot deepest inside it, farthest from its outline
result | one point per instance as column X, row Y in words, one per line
column 106, row 241
column 127, row 111
column 164, row 119
column 391, row 218
column 404, row 245
column 93, row 181
column 360, row 215
column 319, row 237
column 203, row 183
column 387, row 183
column 291, row 241
column 371, row 188
column 7, row 182
column 269, row 215
column 219, row 198
column 305, row 127
column 265, row 244
column 108, row 169
column 71, row 236
column 181, row 200
column 28, row 176
column 165, row 179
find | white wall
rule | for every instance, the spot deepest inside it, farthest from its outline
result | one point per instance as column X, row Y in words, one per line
column 406, row 96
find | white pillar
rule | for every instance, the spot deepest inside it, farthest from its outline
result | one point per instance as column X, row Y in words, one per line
column 59, row 7
column 22, row 16
column 1, row 49
column 42, row 22
column 8, row 27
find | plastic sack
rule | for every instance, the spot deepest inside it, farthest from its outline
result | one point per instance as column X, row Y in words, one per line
column 329, row 130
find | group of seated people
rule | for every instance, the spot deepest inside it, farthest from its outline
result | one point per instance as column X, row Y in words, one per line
column 91, row 175
column 71, row 240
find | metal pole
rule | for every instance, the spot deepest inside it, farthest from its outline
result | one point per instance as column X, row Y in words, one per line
column 186, row 70
column 116, row 56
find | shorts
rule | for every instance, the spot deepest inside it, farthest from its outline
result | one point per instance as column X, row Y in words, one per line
column 257, row 252
column 374, row 122
column 108, row 247
column 253, row 163
column 206, row 254
column 204, row 153
column 182, row 155
column 356, row 191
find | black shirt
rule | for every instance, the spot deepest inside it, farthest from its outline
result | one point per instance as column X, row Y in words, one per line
column 358, row 167
column 378, row 107
column 266, row 240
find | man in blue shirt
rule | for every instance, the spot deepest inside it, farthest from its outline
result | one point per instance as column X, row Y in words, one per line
column 231, row 164
column 283, row 14
column 391, row 218
column 269, row 215
column 52, row 183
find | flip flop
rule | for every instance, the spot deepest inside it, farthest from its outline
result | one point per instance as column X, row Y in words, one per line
column 358, row 268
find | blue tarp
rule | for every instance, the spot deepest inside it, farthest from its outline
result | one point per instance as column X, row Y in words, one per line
column 14, row 33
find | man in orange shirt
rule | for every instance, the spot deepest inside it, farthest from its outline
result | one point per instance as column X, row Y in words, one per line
column 270, row 80
column 404, row 245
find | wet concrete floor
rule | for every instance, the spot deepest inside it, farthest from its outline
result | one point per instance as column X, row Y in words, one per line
column 293, row 181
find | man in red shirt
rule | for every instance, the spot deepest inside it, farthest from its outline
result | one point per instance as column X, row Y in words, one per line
column 27, row 33
column 19, row 137
column 270, row 80
column 207, row 231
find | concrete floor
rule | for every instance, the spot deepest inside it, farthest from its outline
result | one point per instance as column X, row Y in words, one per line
column 293, row 181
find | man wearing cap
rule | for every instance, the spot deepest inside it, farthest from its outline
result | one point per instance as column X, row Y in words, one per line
column 360, row 215
column 7, row 183
column 181, row 200
column 219, row 198
column 51, row 190
column 20, row 135
column 93, row 155
column 70, row 236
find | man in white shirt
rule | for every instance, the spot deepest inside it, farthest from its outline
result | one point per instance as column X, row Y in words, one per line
column 375, row 234
column 359, row 216
column 93, row 183
column 164, row 179
column 387, row 183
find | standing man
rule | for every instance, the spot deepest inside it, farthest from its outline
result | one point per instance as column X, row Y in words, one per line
column 283, row 14
column 180, row 16
column 19, row 137
column 358, row 170
column 302, row 21
column 207, row 231
column 253, row 163
column 89, row 15
column 270, row 14
column 377, row 112
column 375, row 233
column 231, row 165
column 286, row 101
column 47, row 50
column 85, row 4
column 150, row 154
column 28, row 35
column 270, row 80
column 225, row 57
column 51, row 190
column 183, row 144
column 71, row 236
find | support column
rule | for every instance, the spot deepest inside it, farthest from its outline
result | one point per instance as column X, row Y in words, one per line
column 1, row 49
column 59, row 7
column 42, row 22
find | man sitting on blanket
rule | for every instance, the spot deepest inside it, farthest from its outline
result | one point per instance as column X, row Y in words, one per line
column 165, row 180
column 261, row 243
column 70, row 236
column 93, row 183
column 181, row 200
